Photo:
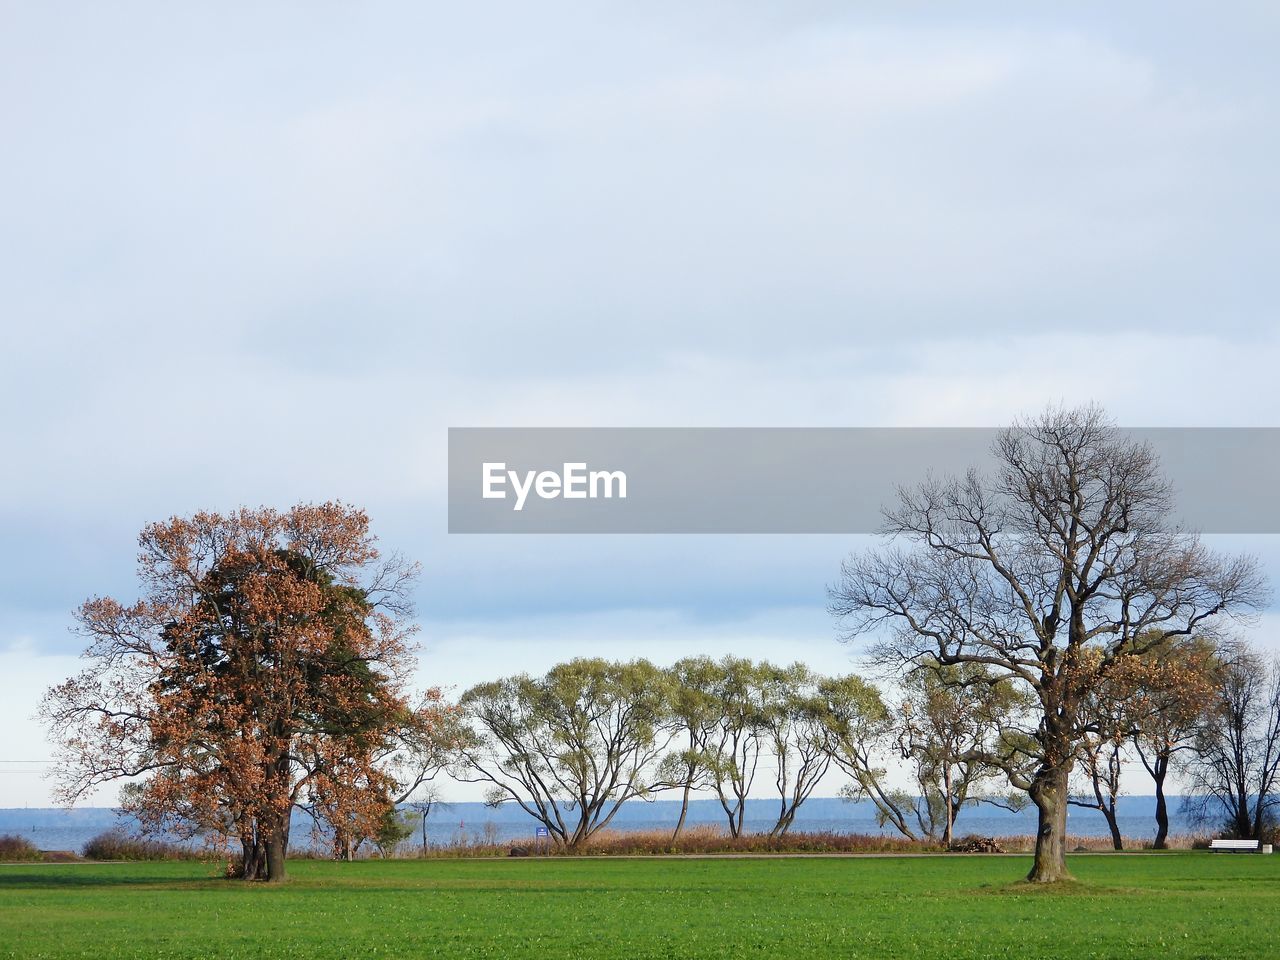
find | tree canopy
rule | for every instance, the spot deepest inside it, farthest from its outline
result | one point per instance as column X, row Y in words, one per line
column 265, row 667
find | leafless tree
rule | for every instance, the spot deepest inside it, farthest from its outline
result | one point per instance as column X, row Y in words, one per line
column 428, row 799
column 1046, row 571
column 1234, row 771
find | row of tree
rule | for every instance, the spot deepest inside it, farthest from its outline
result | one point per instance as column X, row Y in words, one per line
column 572, row 746
column 1048, row 613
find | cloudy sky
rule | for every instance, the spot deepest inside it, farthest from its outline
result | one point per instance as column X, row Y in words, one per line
column 269, row 253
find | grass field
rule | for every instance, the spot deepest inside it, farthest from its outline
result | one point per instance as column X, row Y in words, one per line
column 1164, row 905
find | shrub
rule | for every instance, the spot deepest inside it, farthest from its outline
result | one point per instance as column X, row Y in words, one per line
column 118, row 845
column 13, row 847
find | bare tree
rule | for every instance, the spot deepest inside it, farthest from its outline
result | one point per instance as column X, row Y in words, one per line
column 1046, row 572
column 1234, row 771
column 427, row 800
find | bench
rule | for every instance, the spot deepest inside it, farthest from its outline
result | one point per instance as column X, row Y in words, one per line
column 1234, row 846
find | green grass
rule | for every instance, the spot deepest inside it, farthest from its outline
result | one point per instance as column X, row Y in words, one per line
column 1161, row 905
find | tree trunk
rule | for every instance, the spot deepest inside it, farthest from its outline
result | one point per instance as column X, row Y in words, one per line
column 277, row 849
column 735, row 815
column 252, row 858
column 275, row 860
column 949, row 806
column 1162, row 807
column 1117, row 841
column 1242, row 820
column 684, row 809
column 1049, row 794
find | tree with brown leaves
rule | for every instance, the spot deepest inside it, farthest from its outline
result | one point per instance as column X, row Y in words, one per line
column 265, row 668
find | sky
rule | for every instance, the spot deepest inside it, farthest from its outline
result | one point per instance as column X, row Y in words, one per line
column 270, row 253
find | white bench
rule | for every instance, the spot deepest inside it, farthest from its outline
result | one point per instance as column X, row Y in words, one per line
column 1234, row 846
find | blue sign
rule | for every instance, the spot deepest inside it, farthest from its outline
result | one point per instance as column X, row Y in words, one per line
column 541, row 832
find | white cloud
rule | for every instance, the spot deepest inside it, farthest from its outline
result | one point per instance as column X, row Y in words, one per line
column 262, row 256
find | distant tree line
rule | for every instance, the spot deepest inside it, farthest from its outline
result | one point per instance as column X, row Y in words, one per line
column 572, row 746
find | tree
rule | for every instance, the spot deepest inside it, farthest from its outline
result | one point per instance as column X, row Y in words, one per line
column 394, row 829
column 733, row 749
column 571, row 747
column 1153, row 702
column 265, row 666
column 1046, row 572
column 952, row 721
column 1234, row 771
column 1170, row 702
column 428, row 800
column 859, row 732
column 694, row 720
column 410, row 757
column 1101, row 761
column 795, row 719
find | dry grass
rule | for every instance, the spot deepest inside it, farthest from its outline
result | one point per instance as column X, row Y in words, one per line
column 1026, row 843
column 706, row 839
column 711, row 839
column 697, row 840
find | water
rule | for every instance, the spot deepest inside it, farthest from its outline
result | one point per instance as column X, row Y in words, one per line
column 56, row 829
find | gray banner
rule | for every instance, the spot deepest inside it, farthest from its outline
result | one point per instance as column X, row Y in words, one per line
column 785, row 480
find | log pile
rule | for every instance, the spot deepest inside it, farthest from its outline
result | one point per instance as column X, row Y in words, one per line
column 975, row 844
